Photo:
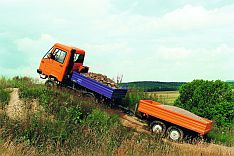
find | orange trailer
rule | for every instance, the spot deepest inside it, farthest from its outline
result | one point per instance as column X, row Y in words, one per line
column 172, row 121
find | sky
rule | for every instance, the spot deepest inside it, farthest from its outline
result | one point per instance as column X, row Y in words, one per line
column 143, row 40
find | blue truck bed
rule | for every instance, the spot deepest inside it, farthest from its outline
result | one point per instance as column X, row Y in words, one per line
column 98, row 87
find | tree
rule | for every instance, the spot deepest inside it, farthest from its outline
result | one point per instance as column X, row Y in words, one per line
column 209, row 99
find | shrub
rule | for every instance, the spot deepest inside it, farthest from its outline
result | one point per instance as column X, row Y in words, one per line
column 134, row 95
column 209, row 99
column 4, row 97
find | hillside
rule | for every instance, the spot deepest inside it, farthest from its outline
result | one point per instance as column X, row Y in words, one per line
column 35, row 120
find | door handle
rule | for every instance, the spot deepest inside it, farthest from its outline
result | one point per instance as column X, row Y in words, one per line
column 60, row 66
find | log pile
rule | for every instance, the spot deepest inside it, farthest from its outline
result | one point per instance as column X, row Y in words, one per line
column 102, row 79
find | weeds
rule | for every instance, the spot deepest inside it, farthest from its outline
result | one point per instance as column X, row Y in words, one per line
column 223, row 135
column 4, row 98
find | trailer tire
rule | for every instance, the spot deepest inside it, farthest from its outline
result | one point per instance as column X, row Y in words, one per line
column 158, row 127
column 175, row 133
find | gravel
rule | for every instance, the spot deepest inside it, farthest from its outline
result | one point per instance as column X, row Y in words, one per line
column 102, row 79
column 181, row 111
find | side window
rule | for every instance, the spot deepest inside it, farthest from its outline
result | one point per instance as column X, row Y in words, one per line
column 79, row 58
column 75, row 57
column 59, row 55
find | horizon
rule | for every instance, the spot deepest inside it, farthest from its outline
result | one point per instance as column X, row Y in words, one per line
column 151, row 40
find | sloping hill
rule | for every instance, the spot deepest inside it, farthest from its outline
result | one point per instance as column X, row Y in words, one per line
column 37, row 120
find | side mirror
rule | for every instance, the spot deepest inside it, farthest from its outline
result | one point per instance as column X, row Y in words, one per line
column 49, row 56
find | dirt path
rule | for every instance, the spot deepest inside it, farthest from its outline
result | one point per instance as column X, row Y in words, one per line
column 16, row 108
column 203, row 148
column 130, row 121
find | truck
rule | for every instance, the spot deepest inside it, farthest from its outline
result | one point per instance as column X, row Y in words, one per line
column 172, row 121
column 63, row 65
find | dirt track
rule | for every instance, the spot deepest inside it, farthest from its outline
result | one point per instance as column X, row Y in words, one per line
column 16, row 108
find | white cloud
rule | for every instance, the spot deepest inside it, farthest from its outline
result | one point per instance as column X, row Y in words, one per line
column 34, row 50
column 28, row 45
column 182, row 19
column 173, row 53
column 186, row 43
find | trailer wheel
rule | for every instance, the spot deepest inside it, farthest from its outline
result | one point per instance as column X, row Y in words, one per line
column 174, row 133
column 158, row 127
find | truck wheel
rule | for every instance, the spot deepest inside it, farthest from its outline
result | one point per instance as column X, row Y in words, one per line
column 158, row 127
column 174, row 133
column 49, row 83
column 90, row 96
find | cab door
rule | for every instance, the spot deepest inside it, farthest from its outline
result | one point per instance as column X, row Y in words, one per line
column 45, row 62
column 58, row 64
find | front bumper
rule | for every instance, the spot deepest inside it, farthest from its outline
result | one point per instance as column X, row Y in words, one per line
column 39, row 71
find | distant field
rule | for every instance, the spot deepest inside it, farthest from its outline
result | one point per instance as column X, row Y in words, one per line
column 166, row 97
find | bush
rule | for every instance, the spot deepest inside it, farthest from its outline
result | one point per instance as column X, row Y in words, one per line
column 4, row 97
column 134, row 95
column 209, row 99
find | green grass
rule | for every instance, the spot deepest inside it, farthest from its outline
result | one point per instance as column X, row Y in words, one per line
column 222, row 135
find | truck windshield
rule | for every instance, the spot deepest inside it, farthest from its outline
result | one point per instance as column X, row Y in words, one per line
column 78, row 58
column 48, row 53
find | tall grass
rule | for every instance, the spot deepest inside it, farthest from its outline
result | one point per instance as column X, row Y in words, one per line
column 223, row 135
column 71, row 125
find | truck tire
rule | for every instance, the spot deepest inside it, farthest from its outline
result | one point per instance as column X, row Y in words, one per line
column 50, row 83
column 174, row 133
column 90, row 96
column 158, row 127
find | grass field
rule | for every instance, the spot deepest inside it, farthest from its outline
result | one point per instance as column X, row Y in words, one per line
column 165, row 97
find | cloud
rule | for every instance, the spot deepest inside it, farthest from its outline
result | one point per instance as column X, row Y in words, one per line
column 183, row 43
column 173, row 53
column 32, row 50
column 186, row 18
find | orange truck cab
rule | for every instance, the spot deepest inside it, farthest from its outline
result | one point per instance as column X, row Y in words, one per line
column 60, row 61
